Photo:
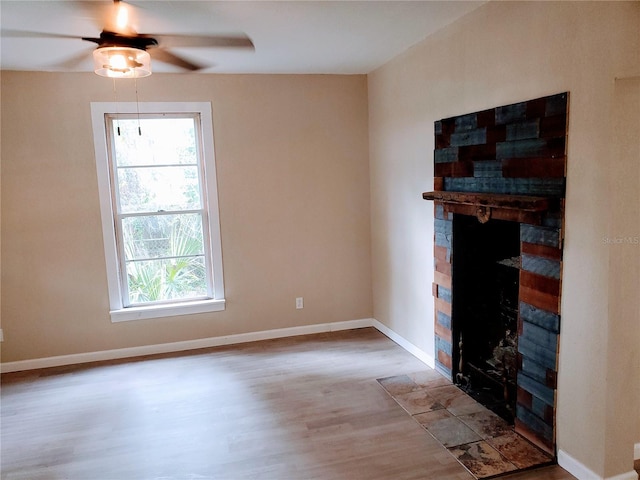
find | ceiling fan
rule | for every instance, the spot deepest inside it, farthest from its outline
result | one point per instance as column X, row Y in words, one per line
column 122, row 52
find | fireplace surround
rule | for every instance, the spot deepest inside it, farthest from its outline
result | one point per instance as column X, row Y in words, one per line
column 499, row 188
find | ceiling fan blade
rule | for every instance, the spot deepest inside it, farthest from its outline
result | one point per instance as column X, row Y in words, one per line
column 165, row 56
column 234, row 41
column 30, row 34
column 74, row 61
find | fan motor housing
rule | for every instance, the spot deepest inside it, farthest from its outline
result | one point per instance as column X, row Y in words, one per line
column 113, row 39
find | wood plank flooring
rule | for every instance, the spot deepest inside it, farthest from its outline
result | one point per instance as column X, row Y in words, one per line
column 297, row 408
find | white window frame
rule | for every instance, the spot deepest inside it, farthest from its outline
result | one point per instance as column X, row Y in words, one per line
column 117, row 310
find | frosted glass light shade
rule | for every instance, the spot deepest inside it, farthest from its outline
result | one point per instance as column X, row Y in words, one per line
column 121, row 62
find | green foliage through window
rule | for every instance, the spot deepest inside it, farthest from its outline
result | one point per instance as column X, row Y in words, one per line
column 160, row 209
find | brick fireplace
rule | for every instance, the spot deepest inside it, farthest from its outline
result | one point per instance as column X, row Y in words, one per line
column 499, row 193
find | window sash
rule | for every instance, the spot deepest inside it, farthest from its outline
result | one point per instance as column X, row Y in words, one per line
column 109, row 220
column 111, row 123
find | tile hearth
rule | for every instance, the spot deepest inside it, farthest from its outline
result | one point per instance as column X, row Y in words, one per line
column 480, row 440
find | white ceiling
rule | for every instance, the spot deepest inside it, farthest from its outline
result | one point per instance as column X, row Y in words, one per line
column 304, row 36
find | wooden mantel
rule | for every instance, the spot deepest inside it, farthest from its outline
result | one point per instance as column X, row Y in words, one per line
column 515, row 208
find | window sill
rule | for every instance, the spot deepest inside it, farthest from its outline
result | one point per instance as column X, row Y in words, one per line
column 166, row 310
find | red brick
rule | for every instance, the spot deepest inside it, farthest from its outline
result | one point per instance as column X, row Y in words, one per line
column 445, row 359
column 477, row 152
column 486, row 118
column 536, row 108
column 443, row 306
column 443, row 267
column 442, row 279
column 554, row 126
column 525, row 398
column 443, row 332
column 442, row 141
column 497, row 133
column 539, row 282
column 454, row 169
column 545, row 301
column 440, row 253
column 541, row 250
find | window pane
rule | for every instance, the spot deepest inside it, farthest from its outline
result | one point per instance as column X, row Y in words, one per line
column 155, row 236
column 167, row 279
column 164, row 141
column 151, row 189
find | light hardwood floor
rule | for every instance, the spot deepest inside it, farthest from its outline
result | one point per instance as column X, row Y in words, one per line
column 297, row 408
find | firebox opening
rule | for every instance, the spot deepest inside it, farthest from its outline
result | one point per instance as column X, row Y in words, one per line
column 486, row 262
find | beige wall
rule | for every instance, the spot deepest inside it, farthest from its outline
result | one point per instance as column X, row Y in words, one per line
column 292, row 160
column 624, row 260
column 502, row 53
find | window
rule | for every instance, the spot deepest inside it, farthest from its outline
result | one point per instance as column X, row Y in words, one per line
column 158, row 200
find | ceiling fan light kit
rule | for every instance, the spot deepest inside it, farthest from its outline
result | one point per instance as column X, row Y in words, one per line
column 124, row 53
column 121, row 62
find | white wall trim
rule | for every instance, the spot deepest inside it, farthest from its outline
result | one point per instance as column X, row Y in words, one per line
column 581, row 472
column 182, row 346
column 408, row 346
column 216, row 342
column 632, row 475
column 636, row 451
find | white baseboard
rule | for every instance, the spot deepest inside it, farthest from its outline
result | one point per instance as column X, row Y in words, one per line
column 631, row 475
column 115, row 354
column 581, row 472
column 182, row 346
column 408, row 346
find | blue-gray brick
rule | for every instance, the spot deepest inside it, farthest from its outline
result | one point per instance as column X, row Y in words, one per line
column 444, row 294
column 443, row 240
column 460, row 185
column 443, row 226
column 532, row 147
column 514, row 186
column 536, row 388
column 539, row 406
column 439, row 212
column 553, row 220
column 540, row 235
column 511, row 113
column 542, row 318
column 524, row 130
column 443, row 345
column 466, row 122
column 446, row 155
column 534, row 422
column 469, row 137
column 443, row 319
column 534, row 370
column 489, row 168
column 538, row 354
column 556, row 105
column 539, row 336
column 542, row 266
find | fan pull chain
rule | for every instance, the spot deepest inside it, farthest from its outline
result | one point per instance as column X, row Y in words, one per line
column 135, row 80
column 115, row 100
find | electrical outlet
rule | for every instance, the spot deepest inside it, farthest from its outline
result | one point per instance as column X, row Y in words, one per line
column 299, row 303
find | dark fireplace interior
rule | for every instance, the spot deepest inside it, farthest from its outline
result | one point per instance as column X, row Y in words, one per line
column 486, row 262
